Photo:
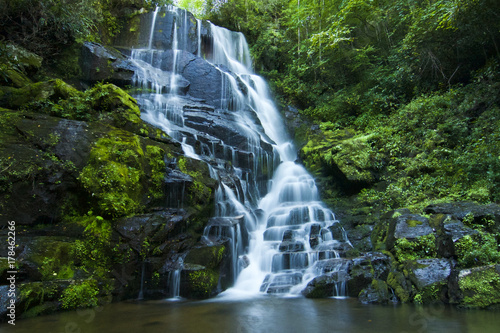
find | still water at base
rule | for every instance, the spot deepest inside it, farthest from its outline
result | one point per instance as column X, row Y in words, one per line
column 266, row 314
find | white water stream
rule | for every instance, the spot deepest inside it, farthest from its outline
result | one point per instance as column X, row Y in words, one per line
column 289, row 228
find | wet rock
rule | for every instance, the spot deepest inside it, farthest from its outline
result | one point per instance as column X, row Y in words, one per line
column 427, row 272
column 377, row 293
column 314, row 237
column 221, row 229
column 38, row 146
column 205, row 269
column 155, row 226
column 291, row 246
column 409, row 226
column 206, row 81
column 100, row 63
column 479, row 214
column 280, row 283
column 364, row 269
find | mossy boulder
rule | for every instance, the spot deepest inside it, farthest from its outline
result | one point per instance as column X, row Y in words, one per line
column 17, row 65
column 377, row 293
column 347, row 157
column 28, row 61
column 14, row 98
column 205, row 269
column 323, row 286
column 479, row 287
column 400, row 285
column 363, row 270
column 13, row 77
column 38, row 298
column 408, row 226
column 114, row 174
column 51, row 257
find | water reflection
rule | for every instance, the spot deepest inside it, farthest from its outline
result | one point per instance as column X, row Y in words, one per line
column 266, row 314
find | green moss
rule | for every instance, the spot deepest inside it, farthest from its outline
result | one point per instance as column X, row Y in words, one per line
column 379, row 236
column 36, row 293
column 53, row 258
column 481, row 288
column 421, row 248
column 430, row 294
column 413, row 223
column 80, row 295
column 477, row 249
column 155, row 156
column 397, row 282
column 203, row 282
column 114, row 172
column 199, row 192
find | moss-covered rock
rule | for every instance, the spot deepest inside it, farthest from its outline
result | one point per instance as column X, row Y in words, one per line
column 345, row 156
column 400, row 285
column 377, row 293
column 114, row 174
column 206, row 268
column 365, row 269
column 480, row 286
column 53, row 90
column 28, row 61
column 53, row 258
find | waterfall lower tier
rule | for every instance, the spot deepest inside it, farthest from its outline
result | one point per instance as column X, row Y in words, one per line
column 197, row 85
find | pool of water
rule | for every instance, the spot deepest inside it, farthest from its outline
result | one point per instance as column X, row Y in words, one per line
column 265, row 314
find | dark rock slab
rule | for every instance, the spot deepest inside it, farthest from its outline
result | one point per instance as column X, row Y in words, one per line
column 409, row 226
column 100, row 63
column 479, row 213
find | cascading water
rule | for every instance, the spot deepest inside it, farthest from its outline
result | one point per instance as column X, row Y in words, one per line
column 269, row 207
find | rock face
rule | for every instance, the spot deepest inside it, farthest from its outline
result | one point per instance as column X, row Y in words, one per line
column 137, row 31
column 100, row 63
column 54, row 186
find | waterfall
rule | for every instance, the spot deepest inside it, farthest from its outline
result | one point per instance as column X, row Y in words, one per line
column 201, row 90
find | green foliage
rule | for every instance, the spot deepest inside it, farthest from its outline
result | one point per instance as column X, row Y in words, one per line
column 422, row 247
column 35, row 293
column 429, row 293
column 477, row 249
column 80, row 295
column 46, row 27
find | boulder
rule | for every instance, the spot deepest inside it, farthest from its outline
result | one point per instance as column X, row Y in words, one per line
column 409, row 226
column 363, row 270
column 427, row 272
column 14, row 98
column 477, row 287
column 206, row 271
column 100, row 63
column 486, row 215
column 377, row 293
